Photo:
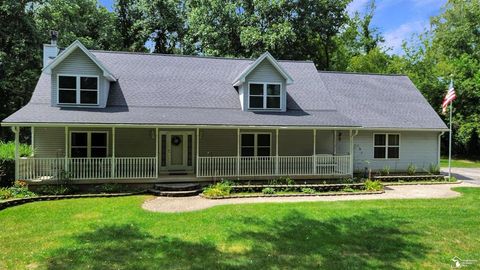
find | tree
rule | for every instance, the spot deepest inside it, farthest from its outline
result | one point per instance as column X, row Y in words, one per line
column 129, row 23
column 289, row 29
column 20, row 55
column 164, row 24
column 84, row 20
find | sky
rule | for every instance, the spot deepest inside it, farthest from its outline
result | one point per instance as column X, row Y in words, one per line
column 397, row 20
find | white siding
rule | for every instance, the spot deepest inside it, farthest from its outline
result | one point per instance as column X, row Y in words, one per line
column 418, row 148
column 135, row 142
column 218, row 142
column 49, row 142
column 77, row 63
column 265, row 72
column 295, row 142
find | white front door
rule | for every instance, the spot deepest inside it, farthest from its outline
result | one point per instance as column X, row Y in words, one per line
column 177, row 150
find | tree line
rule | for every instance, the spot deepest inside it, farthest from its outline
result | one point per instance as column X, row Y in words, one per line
column 317, row 30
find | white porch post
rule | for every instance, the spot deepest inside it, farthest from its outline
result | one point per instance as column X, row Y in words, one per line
column 314, row 151
column 197, row 151
column 32, row 138
column 276, row 152
column 238, row 152
column 156, row 153
column 113, row 154
column 334, row 142
column 16, row 130
column 66, row 150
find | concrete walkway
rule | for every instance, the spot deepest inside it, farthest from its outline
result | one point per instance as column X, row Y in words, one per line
column 185, row 204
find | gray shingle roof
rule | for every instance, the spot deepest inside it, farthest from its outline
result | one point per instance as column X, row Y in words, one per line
column 166, row 89
column 381, row 101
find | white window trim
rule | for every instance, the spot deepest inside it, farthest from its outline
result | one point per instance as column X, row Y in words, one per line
column 255, row 143
column 89, row 142
column 78, row 90
column 387, row 145
column 265, row 97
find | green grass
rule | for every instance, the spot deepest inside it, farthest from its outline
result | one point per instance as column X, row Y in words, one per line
column 460, row 163
column 7, row 150
column 116, row 233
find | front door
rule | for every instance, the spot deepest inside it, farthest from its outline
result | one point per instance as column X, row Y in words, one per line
column 177, row 150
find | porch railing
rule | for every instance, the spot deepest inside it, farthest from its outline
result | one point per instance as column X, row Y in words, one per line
column 273, row 166
column 87, row 168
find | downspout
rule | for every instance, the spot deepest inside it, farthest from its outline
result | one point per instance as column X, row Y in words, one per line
column 439, row 136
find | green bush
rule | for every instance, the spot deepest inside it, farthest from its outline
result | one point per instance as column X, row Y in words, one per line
column 7, row 172
column 7, row 150
column 219, row 189
column 54, row 190
column 411, row 169
column 5, row 193
column 110, row 188
column 373, row 185
column 18, row 190
column 7, row 161
column 268, row 191
column 385, row 170
column 308, row 190
column 434, row 168
column 348, row 189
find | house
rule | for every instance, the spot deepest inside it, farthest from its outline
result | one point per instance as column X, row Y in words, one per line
column 103, row 116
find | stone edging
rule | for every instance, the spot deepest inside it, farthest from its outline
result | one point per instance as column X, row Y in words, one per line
column 420, row 183
column 292, row 195
column 19, row 201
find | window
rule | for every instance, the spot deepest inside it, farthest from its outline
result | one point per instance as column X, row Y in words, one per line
column 386, row 146
column 89, row 144
column 255, row 144
column 264, row 96
column 79, row 90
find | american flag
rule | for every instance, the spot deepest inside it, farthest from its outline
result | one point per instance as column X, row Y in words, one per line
column 449, row 98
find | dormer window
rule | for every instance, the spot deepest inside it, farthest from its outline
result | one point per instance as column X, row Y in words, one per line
column 263, row 96
column 77, row 90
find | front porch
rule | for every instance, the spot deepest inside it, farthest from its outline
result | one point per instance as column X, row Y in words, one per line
column 166, row 154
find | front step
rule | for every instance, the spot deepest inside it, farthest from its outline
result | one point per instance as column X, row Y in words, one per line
column 177, row 187
column 180, row 193
column 177, row 190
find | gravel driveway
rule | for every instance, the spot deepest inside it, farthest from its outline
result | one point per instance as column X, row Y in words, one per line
column 185, row 204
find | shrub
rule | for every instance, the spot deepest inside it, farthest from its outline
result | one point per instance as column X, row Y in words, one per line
column 54, row 190
column 411, row 169
column 7, row 150
column 5, row 193
column 385, row 170
column 110, row 188
column 348, row 189
column 7, row 172
column 452, row 179
column 19, row 190
column 268, row 191
column 219, row 189
column 373, row 185
column 434, row 168
column 308, row 190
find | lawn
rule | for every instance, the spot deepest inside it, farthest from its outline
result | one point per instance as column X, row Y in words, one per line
column 115, row 233
column 460, row 163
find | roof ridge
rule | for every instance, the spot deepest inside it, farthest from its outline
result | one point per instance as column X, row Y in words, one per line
column 195, row 56
column 360, row 73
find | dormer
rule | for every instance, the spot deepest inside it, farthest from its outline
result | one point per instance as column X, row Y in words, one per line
column 262, row 86
column 78, row 78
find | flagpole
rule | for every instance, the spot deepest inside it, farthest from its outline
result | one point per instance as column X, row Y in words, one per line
column 450, row 145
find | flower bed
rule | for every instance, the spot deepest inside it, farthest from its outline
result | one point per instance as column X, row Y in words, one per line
column 226, row 189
